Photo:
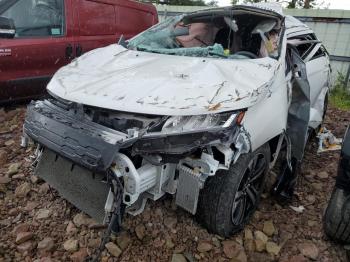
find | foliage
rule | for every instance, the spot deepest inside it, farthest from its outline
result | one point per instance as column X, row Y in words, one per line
column 340, row 93
column 186, row 2
column 306, row 4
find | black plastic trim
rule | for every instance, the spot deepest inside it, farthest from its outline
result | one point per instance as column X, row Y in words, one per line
column 72, row 136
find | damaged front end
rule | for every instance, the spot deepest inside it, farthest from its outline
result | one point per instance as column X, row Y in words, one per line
column 84, row 150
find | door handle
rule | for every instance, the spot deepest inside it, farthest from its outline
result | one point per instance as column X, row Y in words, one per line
column 78, row 50
column 69, row 51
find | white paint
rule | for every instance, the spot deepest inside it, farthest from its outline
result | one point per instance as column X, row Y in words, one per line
column 140, row 82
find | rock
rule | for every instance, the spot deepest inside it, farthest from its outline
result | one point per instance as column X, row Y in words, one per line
column 43, row 213
column 13, row 169
column 113, row 249
column 13, row 212
column 20, row 176
column 269, row 228
column 216, row 242
column 157, row 243
column 3, row 157
column 298, row 258
column 312, row 223
column 30, row 206
column 10, row 142
column 26, row 247
column 323, row 175
column 170, row 222
column 34, row 179
column 47, row 244
column 140, row 231
column 241, row 257
column 178, row 258
column 4, row 180
column 204, row 247
column 309, row 249
column 44, row 188
column 248, row 234
column 261, row 236
column 23, row 237
column 71, row 245
column 45, row 259
column 20, row 228
column 272, row 248
column 82, row 220
column 71, row 229
column 80, row 255
column 123, row 240
column 259, row 245
column 249, row 245
column 22, row 190
column 316, row 186
column 169, row 243
column 311, row 199
column 94, row 243
column 231, row 249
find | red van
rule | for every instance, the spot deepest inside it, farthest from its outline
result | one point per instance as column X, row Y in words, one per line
column 39, row 36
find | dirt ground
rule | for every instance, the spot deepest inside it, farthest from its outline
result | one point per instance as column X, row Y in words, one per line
column 37, row 225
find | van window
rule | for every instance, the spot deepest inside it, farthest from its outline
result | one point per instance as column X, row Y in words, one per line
column 37, row 17
column 96, row 18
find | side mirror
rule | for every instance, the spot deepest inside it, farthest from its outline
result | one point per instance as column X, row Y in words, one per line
column 7, row 28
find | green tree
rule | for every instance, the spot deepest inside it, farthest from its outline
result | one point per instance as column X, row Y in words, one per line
column 183, row 2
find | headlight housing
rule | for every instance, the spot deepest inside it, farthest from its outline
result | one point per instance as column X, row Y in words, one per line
column 183, row 134
column 178, row 124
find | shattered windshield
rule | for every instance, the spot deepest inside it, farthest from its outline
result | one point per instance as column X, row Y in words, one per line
column 235, row 35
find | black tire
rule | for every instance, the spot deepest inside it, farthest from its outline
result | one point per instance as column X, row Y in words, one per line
column 216, row 209
column 337, row 216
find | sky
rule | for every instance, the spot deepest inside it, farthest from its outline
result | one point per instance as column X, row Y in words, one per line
column 333, row 4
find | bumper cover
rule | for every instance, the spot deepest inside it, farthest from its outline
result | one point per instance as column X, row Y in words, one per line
column 67, row 133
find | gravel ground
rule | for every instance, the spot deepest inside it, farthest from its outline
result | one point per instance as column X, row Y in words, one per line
column 37, row 225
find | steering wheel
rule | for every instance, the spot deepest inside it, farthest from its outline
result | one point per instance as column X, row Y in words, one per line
column 247, row 54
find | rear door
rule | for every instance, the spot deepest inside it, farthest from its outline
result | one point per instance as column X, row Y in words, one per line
column 41, row 46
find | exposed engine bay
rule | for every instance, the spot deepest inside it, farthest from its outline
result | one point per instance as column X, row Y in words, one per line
column 153, row 154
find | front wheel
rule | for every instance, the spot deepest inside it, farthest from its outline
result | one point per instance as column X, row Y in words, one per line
column 230, row 198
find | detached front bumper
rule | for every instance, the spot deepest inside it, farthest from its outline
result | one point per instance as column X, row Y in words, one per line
column 69, row 134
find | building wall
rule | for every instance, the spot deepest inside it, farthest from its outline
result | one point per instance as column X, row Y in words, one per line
column 330, row 26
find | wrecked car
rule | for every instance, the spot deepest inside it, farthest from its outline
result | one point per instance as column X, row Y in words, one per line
column 337, row 215
column 201, row 106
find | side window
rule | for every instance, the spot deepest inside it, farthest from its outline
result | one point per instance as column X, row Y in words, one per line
column 308, row 46
column 96, row 18
column 37, row 17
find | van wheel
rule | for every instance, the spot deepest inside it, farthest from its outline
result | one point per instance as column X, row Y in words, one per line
column 230, row 198
column 336, row 220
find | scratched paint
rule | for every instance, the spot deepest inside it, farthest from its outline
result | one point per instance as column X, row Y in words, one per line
column 150, row 83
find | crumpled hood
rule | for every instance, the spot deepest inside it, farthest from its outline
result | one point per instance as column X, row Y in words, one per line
column 124, row 80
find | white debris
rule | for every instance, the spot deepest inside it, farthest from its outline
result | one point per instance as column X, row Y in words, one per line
column 327, row 141
column 298, row 209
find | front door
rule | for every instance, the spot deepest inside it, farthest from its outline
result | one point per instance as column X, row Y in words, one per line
column 42, row 45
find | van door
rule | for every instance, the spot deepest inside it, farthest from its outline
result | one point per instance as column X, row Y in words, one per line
column 42, row 44
column 96, row 25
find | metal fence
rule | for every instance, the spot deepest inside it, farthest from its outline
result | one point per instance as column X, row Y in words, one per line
column 330, row 26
